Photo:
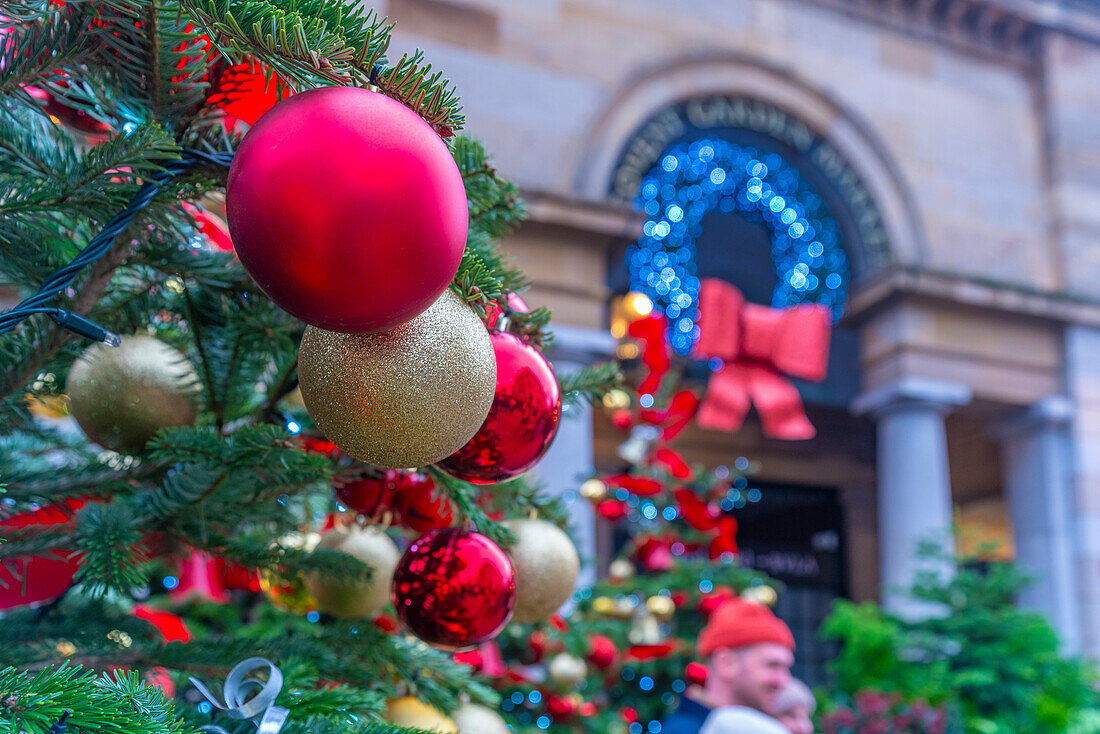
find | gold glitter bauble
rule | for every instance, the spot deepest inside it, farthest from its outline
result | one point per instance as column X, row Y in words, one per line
column 406, row 397
column 474, row 719
column 594, row 490
column 761, row 595
column 567, row 671
column 546, row 566
column 349, row 599
column 413, row 713
column 122, row 395
column 620, row 570
column 662, row 607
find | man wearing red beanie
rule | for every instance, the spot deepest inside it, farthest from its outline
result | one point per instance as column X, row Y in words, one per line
column 749, row 653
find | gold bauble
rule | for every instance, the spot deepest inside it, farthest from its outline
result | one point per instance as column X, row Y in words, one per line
column 406, row 397
column 620, row 570
column 546, row 565
column 567, row 671
column 594, row 490
column 617, row 399
column 661, row 607
column 474, row 719
column 604, row 605
column 415, row 714
column 285, row 591
column 122, row 395
column 761, row 595
column 349, row 599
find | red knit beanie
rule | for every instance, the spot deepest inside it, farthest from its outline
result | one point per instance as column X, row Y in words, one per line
column 740, row 623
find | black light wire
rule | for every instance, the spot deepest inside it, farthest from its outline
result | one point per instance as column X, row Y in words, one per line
column 99, row 246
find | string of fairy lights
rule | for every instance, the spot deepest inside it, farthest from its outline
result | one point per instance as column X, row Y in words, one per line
column 696, row 178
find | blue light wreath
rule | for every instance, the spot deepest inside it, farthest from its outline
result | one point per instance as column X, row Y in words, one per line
column 693, row 179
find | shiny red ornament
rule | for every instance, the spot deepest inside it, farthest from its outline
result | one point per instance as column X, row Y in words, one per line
column 623, row 419
column 629, row 715
column 199, row 577
column 613, row 510
column 561, row 707
column 521, row 423
column 246, row 91
column 454, row 588
column 368, row 496
column 36, row 578
column 170, row 626
column 602, row 651
column 347, row 209
column 695, row 674
column 418, row 506
column 493, row 314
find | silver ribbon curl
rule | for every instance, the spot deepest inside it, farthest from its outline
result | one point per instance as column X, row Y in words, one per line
column 261, row 705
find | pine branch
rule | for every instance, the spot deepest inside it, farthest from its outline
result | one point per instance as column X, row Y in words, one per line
column 590, row 384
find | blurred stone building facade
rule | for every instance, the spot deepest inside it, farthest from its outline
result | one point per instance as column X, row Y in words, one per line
column 954, row 148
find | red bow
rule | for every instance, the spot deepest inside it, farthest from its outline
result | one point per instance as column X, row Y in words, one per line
column 758, row 346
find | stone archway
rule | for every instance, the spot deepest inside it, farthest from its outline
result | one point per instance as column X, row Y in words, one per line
column 654, row 111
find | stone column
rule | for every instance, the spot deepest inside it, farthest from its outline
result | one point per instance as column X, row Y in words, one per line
column 914, row 486
column 1039, row 489
column 1083, row 387
column 569, row 461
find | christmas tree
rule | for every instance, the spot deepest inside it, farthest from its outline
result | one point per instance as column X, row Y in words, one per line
column 625, row 651
column 168, row 506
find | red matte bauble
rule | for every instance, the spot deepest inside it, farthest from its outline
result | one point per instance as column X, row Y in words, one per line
column 522, row 421
column 454, row 588
column 561, row 707
column 29, row 579
column 347, row 209
column 613, row 510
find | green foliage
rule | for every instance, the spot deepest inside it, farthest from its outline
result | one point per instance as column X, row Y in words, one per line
column 237, row 484
column 998, row 663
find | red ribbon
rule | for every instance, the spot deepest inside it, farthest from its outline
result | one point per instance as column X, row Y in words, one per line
column 758, row 346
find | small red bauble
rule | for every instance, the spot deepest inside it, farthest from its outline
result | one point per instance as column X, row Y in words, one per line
column 29, row 579
column 522, row 421
column 612, row 510
column 454, row 588
column 493, row 314
column 561, row 707
column 418, row 506
column 368, row 496
column 695, row 674
column 602, row 651
column 347, row 209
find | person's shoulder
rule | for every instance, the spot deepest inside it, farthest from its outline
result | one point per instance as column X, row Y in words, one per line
column 740, row 720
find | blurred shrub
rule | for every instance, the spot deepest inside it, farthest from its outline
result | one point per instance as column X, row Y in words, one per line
column 976, row 653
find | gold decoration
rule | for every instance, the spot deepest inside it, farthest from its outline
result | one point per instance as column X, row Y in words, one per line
column 594, row 490
column 567, row 671
column 415, row 714
column 290, row 592
column 348, row 599
column 406, row 397
column 645, row 631
column 627, row 309
column 620, row 570
column 617, row 399
column 662, row 607
column 474, row 719
column 604, row 605
column 761, row 595
column 122, row 395
column 546, row 566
